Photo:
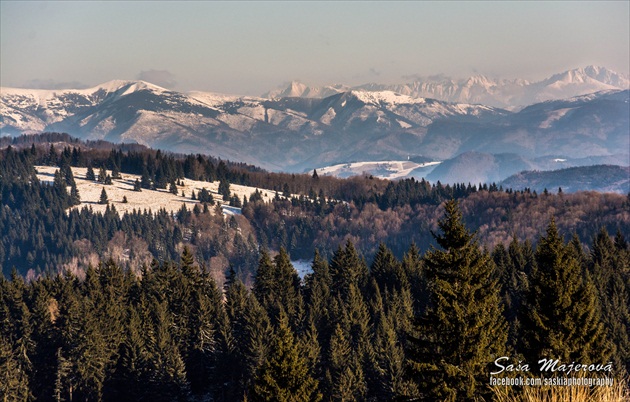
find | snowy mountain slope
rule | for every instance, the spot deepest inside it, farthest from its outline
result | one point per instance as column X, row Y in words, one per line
column 382, row 169
column 154, row 200
column 479, row 89
column 298, row 134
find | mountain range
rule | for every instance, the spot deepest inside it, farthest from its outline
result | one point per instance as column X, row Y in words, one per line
column 474, row 142
column 479, row 89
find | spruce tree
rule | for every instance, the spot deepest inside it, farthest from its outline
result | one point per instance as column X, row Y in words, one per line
column 610, row 274
column 75, row 198
column 90, row 174
column 345, row 380
column 277, row 287
column 224, row 189
column 455, row 340
column 102, row 175
column 285, row 376
column 103, row 198
column 145, row 179
column 172, row 187
column 14, row 383
column 562, row 316
column 346, row 269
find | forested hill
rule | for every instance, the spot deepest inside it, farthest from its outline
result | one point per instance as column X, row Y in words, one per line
column 52, row 227
column 202, row 304
column 425, row 327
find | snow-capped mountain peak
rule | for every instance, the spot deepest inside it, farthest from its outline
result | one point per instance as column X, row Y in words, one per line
column 481, row 89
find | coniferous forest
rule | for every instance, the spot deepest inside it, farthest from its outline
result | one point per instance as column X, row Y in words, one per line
column 415, row 288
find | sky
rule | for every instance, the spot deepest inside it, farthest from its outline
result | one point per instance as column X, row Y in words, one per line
column 248, row 48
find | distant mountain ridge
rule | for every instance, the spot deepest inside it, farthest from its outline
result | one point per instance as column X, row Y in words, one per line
column 480, row 89
column 298, row 134
column 237, row 128
column 603, row 178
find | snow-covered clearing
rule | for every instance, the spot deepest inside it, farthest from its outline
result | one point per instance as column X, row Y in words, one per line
column 154, row 200
column 382, row 169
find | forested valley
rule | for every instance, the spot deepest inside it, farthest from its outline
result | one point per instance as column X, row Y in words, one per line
column 415, row 288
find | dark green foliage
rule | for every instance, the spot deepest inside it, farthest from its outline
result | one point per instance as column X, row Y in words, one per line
column 205, row 196
column 284, row 376
column 127, row 330
column 90, row 174
column 610, row 270
column 102, row 175
column 224, row 189
column 75, row 198
column 277, row 288
column 562, row 315
column 172, row 187
column 463, row 327
column 103, row 198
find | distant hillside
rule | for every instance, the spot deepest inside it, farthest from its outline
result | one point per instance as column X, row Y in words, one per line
column 603, row 178
column 477, row 167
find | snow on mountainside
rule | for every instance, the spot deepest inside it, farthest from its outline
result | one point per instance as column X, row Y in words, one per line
column 296, row 89
column 249, row 129
column 298, row 134
column 479, row 89
column 382, row 169
column 154, row 200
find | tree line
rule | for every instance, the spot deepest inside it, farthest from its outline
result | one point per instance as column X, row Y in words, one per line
column 425, row 326
column 40, row 233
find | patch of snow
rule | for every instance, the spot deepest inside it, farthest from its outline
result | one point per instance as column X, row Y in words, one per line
column 328, row 117
column 391, row 170
column 228, row 210
column 403, row 124
column 554, row 116
column 303, row 267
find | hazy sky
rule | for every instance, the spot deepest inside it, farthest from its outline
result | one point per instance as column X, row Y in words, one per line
column 251, row 47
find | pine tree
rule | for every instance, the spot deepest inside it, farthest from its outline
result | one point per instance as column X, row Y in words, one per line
column 224, row 189
column 390, row 381
column 116, row 172
column 172, row 187
column 347, row 268
column 277, row 287
column 145, row 179
column 102, row 175
column 75, row 198
column 103, row 198
column 90, row 174
column 463, row 327
column 14, row 383
column 137, row 186
column 611, row 276
column 562, row 316
column 344, row 374
column 387, row 271
column 317, row 295
column 284, row 376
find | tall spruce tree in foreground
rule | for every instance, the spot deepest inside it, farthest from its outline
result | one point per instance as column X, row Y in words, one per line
column 562, row 316
column 463, row 328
